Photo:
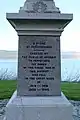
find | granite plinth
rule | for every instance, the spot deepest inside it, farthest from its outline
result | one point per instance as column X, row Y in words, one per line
column 38, row 108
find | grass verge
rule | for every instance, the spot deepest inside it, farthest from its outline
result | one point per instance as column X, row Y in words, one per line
column 71, row 90
column 7, row 87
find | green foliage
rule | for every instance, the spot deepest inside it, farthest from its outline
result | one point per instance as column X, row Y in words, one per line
column 70, row 89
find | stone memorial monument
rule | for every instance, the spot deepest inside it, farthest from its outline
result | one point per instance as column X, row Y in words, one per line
column 39, row 25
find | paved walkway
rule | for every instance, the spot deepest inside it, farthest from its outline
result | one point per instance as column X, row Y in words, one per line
column 76, row 109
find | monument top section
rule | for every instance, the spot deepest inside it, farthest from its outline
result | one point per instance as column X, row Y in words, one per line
column 40, row 6
column 38, row 16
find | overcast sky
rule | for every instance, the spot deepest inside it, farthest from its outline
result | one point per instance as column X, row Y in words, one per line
column 70, row 39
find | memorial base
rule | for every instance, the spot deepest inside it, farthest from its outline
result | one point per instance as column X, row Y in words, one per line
column 38, row 108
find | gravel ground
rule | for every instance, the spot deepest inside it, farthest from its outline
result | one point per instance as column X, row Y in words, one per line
column 76, row 109
column 2, row 108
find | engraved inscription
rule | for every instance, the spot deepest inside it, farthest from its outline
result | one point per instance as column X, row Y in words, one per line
column 39, row 59
column 39, row 69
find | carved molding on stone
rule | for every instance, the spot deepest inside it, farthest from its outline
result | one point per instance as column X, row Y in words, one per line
column 40, row 6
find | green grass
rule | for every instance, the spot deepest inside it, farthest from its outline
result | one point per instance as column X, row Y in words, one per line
column 7, row 88
column 71, row 90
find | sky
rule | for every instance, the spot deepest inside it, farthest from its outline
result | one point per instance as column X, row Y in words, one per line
column 70, row 39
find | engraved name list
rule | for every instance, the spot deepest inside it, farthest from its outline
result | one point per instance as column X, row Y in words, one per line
column 38, row 61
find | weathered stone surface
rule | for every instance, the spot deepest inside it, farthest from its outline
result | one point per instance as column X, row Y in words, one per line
column 39, row 66
column 39, row 6
column 76, row 109
column 43, row 108
column 39, row 25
